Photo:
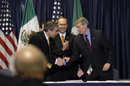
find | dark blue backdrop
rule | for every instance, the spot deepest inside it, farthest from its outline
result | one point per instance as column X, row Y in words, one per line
column 111, row 16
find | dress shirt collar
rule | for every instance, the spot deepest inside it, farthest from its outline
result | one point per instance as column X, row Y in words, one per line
column 62, row 34
column 88, row 36
column 88, row 33
column 46, row 36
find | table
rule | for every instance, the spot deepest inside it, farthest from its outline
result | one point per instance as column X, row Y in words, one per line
column 89, row 83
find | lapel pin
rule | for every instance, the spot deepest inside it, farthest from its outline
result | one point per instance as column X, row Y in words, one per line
column 93, row 37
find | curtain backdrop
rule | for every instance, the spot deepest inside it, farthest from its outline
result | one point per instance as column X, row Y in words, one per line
column 110, row 16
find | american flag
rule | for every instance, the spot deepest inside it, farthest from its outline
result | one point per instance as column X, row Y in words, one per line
column 57, row 10
column 8, row 41
column 80, row 72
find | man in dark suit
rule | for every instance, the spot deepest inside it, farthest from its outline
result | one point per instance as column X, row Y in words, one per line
column 43, row 40
column 30, row 65
column 97, row 52
column 63, row 48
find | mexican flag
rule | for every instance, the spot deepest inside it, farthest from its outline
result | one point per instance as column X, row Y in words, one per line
column 90, row 70
column 77, row 13
column 29, row 24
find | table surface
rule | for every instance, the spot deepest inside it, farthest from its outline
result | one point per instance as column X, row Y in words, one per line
column 89, row 83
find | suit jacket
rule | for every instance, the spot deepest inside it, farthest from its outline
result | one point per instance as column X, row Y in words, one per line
column 71, row 71
column 58, row 45
column 100, row 45
column 38, row 39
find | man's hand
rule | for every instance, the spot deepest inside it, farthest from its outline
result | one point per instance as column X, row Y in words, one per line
column 106, row 66
column 65, row 45
column 67, row 59
column 60, row 62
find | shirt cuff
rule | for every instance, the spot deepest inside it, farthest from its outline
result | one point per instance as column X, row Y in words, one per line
column 55, row 61
column 64, row 62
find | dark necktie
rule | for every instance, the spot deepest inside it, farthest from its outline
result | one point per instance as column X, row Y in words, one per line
column 88, row 44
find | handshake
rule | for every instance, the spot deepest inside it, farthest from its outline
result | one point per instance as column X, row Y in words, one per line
column 61, row 62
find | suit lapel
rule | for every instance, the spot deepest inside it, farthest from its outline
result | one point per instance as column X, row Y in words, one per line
column 45, row 43
column 93, row 40
column 67, row 36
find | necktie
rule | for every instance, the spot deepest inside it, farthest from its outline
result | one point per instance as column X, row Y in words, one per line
column 49, row 46
column 62, row 39
column 88, row 44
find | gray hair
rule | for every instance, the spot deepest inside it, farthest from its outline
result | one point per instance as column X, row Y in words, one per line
column 50, row 26
column 82, row 20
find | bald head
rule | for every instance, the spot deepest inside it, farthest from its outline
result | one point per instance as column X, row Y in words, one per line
column 30, row 60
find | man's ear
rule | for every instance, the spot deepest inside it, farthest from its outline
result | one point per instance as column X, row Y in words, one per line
column 67, row 25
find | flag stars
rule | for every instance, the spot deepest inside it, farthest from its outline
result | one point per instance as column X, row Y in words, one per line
column 7, row 19
column 6, row 33
column 58, row 7
column 3, row 24
column 6, row 24
column 7, row 10
column 3, row 28
column 7, row 15
column 3, row 19
column 7, row 3
column 6, row 28
column 4, row 15
column 53, row 16
column 54, row 12
column 10, row 28
column 57, row 16
column 54, row 7
column 58, row 3
column 55, row 3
